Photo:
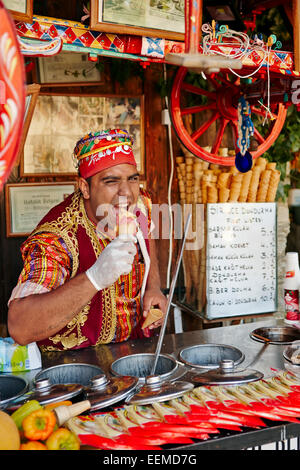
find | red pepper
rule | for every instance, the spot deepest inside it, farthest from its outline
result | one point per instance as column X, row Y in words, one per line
column 33, row 445
column 173, row 429
column 63, row 439
column 111, row 444
column 152, row 440
column 39, row 424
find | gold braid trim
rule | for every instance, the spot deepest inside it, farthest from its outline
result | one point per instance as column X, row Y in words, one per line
column 66, row 227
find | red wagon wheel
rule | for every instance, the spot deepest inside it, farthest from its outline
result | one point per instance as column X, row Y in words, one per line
column 221, row 99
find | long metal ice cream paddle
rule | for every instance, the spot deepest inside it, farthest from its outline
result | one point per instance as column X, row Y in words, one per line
column 172, row 288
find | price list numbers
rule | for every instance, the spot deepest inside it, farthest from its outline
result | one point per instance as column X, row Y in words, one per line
column 241, row 259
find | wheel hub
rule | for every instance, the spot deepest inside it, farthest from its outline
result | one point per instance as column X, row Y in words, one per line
column 227, row 102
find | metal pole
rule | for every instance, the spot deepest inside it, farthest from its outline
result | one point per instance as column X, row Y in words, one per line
column 172, row 288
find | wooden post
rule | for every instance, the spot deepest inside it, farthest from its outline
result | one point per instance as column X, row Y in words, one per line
column 193, row 22
column 296, row 28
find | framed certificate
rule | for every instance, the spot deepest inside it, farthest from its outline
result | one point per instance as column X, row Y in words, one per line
column 27, row 203
column 67, row 69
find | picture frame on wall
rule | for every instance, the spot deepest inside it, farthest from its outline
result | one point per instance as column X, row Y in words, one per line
column 67, row 69
column 32, row 92
column 60, row 120
column 27, row 203
column 21, row 10
column 152, row 18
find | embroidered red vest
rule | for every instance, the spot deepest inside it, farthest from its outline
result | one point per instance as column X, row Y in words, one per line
column 97, row 323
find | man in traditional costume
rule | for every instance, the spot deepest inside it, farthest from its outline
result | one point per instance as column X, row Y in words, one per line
column 81, row 285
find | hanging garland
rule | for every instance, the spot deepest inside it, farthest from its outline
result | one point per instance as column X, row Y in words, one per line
column 243, row 159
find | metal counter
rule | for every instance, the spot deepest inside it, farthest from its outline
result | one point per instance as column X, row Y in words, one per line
column 265, row 357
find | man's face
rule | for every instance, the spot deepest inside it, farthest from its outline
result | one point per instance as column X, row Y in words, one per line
column 117, row 186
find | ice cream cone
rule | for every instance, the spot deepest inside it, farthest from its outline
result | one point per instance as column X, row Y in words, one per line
column 234, row 170
column 263, row 186
column 154, row 315
column 212, row 194
column 223, row 151
column 271, row 166
column 245, row 186
column 224, row 194
column 224, row 180
column 254, row 182
column 235, row 190
column 273, row 185
column 262, row 162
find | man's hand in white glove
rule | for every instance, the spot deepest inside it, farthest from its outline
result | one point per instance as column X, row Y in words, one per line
column 115, row 259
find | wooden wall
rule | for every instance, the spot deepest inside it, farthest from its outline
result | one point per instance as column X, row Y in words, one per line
column 157, row 165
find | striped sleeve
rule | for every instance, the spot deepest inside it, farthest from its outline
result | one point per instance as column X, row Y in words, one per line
column 47, row 265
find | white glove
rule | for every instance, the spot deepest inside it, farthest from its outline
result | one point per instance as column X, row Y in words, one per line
column 115, row 259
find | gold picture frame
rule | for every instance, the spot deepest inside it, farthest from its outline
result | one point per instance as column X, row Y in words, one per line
column 27, row 203
column 143, row 18
column 20, row 10
column 32, row 92
column 60, row 120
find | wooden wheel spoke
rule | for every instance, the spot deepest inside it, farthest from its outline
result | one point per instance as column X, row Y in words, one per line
column 198, row 109
column 220, row 134
column 224, row 108
column 204, row 126
column 234, row 126
column 258, row 136
column 198, row 91
column 226, row 81
column 214, row 82
column 262, row 112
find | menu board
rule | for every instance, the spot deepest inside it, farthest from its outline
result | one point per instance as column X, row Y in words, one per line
column 241, row 261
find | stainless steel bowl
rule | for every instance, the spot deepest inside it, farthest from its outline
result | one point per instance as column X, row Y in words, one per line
column 276, row 334
column 70, row 374
column 140, row 365
column 209, row 356
column 11, row 388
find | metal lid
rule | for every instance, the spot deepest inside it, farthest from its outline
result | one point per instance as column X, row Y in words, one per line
column 227, row 374
column 106, row 390
column 209, row 355
column 276, row 334
column 155, row 390
column 45, row 392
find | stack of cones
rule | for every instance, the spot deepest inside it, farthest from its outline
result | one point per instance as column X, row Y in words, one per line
column 201, row 182
column 205, row 183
